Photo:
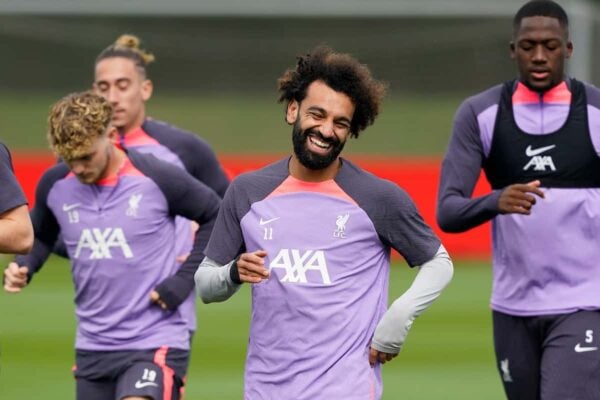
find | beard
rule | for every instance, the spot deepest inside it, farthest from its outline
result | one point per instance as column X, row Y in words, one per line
column 309, row 159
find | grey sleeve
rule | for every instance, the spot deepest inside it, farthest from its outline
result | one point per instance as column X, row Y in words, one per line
column 213, row 281
column 432, row 278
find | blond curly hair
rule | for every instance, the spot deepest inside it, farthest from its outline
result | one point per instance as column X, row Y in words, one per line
column 75, row 121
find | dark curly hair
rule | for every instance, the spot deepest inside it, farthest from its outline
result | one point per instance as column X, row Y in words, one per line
column 342, row 73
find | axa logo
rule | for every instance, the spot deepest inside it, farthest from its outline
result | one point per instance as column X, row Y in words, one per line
column 538, row 161
column 101, row 242
column 297, row 263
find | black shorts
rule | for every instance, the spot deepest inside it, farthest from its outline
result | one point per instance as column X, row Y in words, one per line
column 550, row 357
column 158, row 374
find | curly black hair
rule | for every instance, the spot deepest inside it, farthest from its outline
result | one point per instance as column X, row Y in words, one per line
column 341, row 72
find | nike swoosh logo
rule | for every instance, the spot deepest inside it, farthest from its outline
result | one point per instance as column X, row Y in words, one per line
column 529, row 152
column 139, row 385
column 266, row 221
column 69, row 207
column 580, row 349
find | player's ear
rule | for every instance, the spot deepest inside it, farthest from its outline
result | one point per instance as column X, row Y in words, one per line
column 569, row 49
column 147, row 88
column 512, row 49
column 113, row 134
column 291, row 114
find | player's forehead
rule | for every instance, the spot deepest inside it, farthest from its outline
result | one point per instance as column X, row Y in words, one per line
column 320, row 96
column 540, row 28
column 113, row 69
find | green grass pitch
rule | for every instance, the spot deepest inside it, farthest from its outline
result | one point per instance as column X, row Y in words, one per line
column 448, row 354
column 251, row 123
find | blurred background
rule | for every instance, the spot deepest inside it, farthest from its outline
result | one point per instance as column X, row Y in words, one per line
column 215, row 74
column 218, row 62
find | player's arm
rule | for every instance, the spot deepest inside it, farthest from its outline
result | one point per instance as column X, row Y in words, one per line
column 188, row 198
column 216, row 282
column 199, row 204
column 201, row 161
column 229, row 263
column 19, row 272
column 400, row 226
column 45, row 227
column 391, row 332
column 457, row 211
column 16, row 231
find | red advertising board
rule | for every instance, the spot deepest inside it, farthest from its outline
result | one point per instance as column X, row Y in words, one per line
column 418, row 176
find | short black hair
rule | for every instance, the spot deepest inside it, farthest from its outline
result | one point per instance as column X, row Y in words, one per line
column 541, row 8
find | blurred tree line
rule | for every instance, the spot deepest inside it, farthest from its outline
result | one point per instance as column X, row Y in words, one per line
column 228, row 55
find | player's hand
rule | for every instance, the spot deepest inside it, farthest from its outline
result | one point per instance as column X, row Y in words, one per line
column 15, row 278
column 155, row 298
column 251, row 267
column 181, row 258
column 519, row 198
column 376, row 356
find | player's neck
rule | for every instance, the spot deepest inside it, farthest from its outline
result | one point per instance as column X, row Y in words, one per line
column 299, row 171
column 115, row 163
column 134, row 126
column 541, row 92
